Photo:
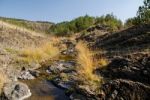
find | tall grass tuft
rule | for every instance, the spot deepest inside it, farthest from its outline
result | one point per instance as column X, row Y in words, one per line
column 86, row 62
column 38, row 54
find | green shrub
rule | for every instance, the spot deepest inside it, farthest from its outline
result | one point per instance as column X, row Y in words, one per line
column 82, row 23
column 143, row 15
column 74, row 26
column 111, row 21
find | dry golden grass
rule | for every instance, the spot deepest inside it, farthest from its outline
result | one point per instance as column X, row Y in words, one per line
column 57, row 42
column 55, row 39
column 21, row 29
column 101, row 63
column 38, row 54
column 3, row 80
column 86, row 62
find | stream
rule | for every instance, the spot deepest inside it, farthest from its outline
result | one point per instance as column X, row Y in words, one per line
column 42, row 89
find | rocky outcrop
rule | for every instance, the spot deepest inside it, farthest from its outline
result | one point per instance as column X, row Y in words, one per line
column 125, row 90
column 138, row 70
column 65, row 73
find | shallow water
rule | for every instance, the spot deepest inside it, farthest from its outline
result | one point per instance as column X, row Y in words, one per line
column 42, row 89
column 45, row 90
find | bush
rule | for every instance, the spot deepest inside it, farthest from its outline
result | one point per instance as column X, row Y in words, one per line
column 111, row 21
column 74, row 26
column 144, row 12
column 82, row 23
column 131, row 22
column 143, row 15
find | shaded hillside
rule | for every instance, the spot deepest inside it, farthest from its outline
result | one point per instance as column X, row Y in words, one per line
column 38, row 26
column 133, row 38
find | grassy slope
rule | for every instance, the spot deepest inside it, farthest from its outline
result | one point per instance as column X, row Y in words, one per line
column 37, row 26
column 15, row 36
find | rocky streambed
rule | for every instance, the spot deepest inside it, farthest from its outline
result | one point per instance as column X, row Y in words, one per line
column 41, row 86
column 125, row 78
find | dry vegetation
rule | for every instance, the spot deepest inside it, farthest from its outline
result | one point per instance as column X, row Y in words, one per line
column 3, row 80
column 21, row 29
column 38, row 54
column 86, row 62
column 101, row 63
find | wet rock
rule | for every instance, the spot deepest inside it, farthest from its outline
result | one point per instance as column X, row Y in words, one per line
column 28, row 74
column 69, row 51
column 125, row 90
column 65, row 85
column 67, row 81
column 75, row 96
column 16, row 91
column 61, row 66
column 34, row 73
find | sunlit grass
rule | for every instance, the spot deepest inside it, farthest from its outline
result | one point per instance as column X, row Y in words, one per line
column 3, row 80
column 86, row 62
column 38, row 54
column 101, row 63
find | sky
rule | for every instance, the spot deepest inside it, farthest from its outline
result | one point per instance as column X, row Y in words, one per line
column 66, row 10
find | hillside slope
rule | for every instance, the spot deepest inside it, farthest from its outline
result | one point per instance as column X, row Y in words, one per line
column 13, row 39
column 133, row 39
column 35, row 58
column 11, row 35
column 37, row 26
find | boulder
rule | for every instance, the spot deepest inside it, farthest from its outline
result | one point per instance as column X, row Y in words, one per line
column 16, row 91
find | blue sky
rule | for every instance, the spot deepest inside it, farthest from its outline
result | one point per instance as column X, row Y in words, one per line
column 65, row 10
